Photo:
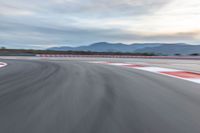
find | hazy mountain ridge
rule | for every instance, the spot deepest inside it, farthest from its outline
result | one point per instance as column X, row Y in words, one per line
column 159, row 48
column 172, row 49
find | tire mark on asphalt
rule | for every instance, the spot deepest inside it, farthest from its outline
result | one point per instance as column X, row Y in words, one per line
column 94, row 119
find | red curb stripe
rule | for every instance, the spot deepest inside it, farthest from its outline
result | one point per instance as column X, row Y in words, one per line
column 183, row 74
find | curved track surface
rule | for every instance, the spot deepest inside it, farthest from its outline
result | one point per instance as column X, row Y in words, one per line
column 78, row 97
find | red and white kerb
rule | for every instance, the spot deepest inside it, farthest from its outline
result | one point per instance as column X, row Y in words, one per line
column 181, row 74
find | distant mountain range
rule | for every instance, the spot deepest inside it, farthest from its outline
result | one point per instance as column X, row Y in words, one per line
column 157, row 48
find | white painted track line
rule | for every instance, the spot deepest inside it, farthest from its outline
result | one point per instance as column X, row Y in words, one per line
column 2, row 64
column 157, row 69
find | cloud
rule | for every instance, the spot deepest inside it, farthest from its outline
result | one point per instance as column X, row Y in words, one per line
column 92, row 8
column 32, row 36
column 79, row 22
column 105, row 8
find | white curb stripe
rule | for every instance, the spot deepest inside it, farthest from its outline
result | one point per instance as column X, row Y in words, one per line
column 194, row 80
column 157, row 69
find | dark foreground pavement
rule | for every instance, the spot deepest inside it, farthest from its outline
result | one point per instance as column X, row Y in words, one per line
column 77, row 97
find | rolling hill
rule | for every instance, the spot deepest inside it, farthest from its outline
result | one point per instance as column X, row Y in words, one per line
column 158, row 48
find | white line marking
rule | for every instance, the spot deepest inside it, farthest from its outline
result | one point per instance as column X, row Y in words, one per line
column 194, row 80
column 2, row 64
column 119, row 64
column 157, row 69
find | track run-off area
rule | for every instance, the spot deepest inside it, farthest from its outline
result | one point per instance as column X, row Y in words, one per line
column 56, row 95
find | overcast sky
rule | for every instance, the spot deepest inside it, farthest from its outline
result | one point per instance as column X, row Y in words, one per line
column 48, row 23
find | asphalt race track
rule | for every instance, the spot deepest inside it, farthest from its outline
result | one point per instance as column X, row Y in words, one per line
column 43, row 96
